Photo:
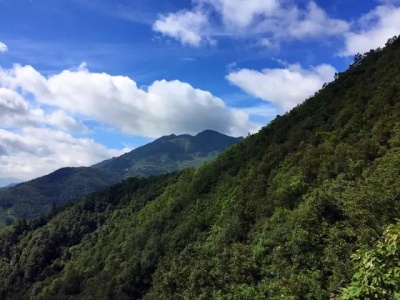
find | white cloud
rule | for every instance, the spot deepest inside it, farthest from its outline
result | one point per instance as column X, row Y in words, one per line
column 189, row 27
column 165, row 107
column 242, row 13
column 34, row 152
column 373, row 30
column 15, row 111
column 268, row 21
column 285, row 87
column 266, row 111
column 313, row 21
column 3, row 47
column 65, row 122
column 11, row 102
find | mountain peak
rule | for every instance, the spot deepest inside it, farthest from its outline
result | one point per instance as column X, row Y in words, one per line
column 209, row 132
column 169, row 153
column 166, row 137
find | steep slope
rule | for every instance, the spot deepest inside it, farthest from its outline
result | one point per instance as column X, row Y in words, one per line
column 170, row 153
column 164, row 155
column 277, row 216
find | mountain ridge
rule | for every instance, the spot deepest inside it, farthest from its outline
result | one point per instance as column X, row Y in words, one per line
column 176, row 149
column 164, row 155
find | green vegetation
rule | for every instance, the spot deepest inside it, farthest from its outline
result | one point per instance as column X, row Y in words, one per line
column 277, row 216
column 170, row 153
column 378, row 269
column 33, row 198
column 164, row 155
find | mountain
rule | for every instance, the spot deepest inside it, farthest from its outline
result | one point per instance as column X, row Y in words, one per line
column 12, row 185
column 170, row 153
column 276, row 216
column 33, row 198
column 6, row 182
column 166, row 154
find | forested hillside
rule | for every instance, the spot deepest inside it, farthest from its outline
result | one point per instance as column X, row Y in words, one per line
column 277, row 216
column 41, row 195
column 170, row 153
column 166, row 154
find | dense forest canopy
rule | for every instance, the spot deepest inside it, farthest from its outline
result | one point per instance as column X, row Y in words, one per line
column 292, row 212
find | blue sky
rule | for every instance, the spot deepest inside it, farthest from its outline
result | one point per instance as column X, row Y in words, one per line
column 81, row 81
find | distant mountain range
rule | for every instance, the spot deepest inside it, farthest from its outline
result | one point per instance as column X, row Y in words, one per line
column 12, row 185
column 164, row 155
column 8, row 182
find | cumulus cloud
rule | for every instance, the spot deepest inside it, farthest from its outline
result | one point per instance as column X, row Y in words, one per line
column 33, row 152
column 165, row 107
column 285, row 87
column 373, row 30
column 15, row 111
column 312, row 21
column 65, row 122
column 241, row 13
column 11, row 103
column 268, row 21
column 3, row 47
column 190, row 27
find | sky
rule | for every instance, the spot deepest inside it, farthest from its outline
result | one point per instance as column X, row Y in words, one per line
column 85, row 80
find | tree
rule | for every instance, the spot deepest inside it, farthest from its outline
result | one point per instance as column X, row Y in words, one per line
column 377, row 270
column 358, row 58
